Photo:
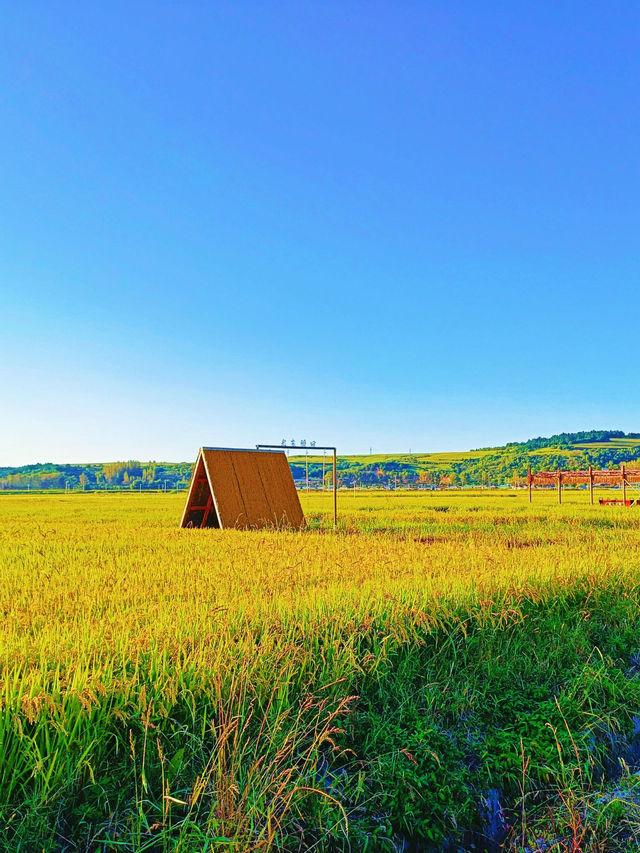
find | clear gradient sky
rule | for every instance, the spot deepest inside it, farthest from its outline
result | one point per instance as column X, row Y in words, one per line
column 388, row 225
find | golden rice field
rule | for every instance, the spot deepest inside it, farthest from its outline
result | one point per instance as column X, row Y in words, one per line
column 446, row 669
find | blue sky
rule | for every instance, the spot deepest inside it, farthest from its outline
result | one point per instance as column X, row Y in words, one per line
column 388, row 225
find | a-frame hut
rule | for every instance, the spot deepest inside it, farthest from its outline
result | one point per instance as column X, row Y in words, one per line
column 243, row 489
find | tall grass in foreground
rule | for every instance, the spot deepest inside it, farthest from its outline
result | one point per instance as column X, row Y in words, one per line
column 164, row 689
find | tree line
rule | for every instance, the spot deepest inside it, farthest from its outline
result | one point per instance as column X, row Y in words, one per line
column 495, row 467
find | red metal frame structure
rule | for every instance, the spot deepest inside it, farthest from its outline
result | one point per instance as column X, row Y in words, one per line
column 623, row 477
column 315, row 447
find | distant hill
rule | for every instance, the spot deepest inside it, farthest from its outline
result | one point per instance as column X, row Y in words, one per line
column 489, row 465
column 483, row 466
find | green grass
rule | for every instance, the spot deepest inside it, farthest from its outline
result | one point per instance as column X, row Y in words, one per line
column 619, row 443
column 419, row 459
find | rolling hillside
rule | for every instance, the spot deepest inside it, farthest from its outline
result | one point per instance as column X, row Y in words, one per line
column 482, row 466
